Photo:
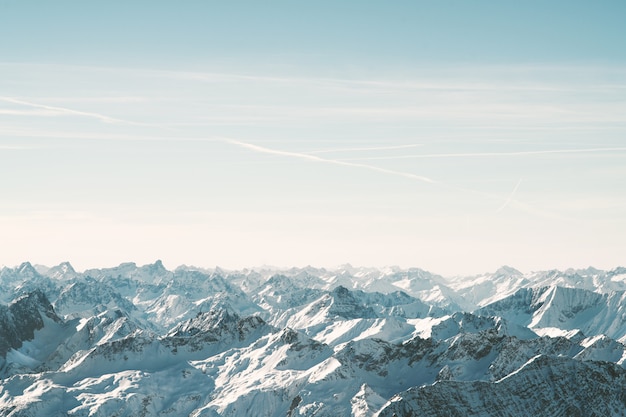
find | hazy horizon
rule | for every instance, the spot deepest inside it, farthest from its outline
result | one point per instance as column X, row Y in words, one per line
column 452, row 137
column 43, row 268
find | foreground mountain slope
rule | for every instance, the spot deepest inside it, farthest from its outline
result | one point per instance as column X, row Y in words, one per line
column 145, row 341
column 544, row 386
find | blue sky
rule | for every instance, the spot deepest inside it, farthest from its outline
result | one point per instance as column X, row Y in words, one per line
column 452, row 136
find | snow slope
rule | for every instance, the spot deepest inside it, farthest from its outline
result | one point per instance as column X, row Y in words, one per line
column 145, row 341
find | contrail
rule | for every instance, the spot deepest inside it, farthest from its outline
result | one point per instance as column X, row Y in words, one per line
column 374, row 148
column 483, row 154
column 65, row 110
column 420, row 178
column 508, row 200
column 314, row 158
column 17, row 148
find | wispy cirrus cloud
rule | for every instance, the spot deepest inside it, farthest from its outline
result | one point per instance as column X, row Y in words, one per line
column 29, row 112
column 17, row 147
column 474, row 97
column 365, row 149
column 64, row 111
column 468, row 79
column 487, row 154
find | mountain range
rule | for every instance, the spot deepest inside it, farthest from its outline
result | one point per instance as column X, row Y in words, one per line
column 147, row 341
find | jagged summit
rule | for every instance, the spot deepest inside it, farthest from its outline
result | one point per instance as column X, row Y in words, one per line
column 64, row 270
column 505, row 271
column 26, row 270
column 155, row 268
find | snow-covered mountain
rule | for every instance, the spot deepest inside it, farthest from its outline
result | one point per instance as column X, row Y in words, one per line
column 146, row 341
column 555, row 309
column 544, row 386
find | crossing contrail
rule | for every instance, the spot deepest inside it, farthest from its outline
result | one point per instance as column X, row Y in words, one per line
column 510, row 198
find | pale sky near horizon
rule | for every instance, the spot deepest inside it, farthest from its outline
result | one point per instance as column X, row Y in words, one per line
column 453, row 136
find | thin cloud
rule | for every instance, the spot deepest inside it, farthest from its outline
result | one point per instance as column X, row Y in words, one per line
column 434, row 77
column 298, row 155
column 488, row 154
column 452, row 82
column 373, row 148
column 66, row 111
column 29, row 112
column 17, row 147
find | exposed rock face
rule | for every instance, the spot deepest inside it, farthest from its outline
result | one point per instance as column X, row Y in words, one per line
column 545, row 386
column 215, row 331
column 20, row 320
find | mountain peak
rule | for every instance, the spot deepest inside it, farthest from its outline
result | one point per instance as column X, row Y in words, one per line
column 62, row 270
column 217, row 271
column 507, row 271
column 26, row 270
column 25, row 266
column 157, row 267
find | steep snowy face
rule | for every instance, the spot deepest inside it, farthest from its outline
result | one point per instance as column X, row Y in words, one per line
column 565, row 309
column 430, row 288
column 214, row 332
column 280, row 294
column 191, row 292
column 342, row 315
column 397, row 304
column 152, row 273
column 22, row 273
column 20, row 320
column 415, row 282
column 62, row 272
column 449, row 326
column 309, row 277
column 15, row 282
column 484, row 289
column 88, row 297
column 590, row 279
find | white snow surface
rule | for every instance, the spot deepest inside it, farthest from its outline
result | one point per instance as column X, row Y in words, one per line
column 145, row 341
